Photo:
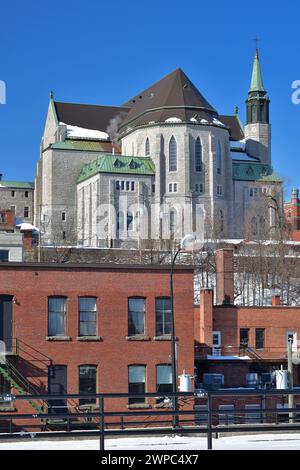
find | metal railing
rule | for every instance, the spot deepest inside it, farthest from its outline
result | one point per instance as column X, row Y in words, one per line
column 104, row 420
column 202, row 351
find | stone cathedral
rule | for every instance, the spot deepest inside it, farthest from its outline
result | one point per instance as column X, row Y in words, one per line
column 163, row 164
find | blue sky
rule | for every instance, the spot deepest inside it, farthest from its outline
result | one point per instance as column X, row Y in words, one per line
column 104, row 52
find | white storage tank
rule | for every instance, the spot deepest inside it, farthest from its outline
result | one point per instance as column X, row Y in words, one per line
column 282, row 379
column 185, row 384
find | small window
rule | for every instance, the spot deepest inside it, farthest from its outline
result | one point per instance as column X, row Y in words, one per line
column 13, row 194
column 172, row 223
column 153, row 188
column 219, row 190
column 175, row 187
column 4, row 255
column 163, row 380
column 136, row 383
column 170, row 187
column 122, row 185
column 259, row 338
column 118, row 185
column 26, row 212
column 13, row 209
column 219, row 158
column 87, row 316
column 132, row 186
column 87, row 383
column 3, row 218
column 57, row 316
column 147, row 147
column 63, row 216
column 244, row 337
column 136, row 316
column 163, row 316
column 64, row 235
column 26, row 194
column 127, row 185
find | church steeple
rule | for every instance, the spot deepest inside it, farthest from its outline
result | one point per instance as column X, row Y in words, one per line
column 257, row 101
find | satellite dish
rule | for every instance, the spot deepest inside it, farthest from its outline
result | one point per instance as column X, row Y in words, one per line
column 296, row 358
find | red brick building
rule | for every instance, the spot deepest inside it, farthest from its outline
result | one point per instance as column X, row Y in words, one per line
column 292, row 216
column 94, row 328
column 235, row 340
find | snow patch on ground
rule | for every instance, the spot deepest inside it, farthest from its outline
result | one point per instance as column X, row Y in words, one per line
column 166, row 443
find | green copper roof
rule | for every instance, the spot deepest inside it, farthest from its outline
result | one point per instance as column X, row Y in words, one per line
column 246, row 171
column 256, row 81
column 118, row 164
column 17, row 184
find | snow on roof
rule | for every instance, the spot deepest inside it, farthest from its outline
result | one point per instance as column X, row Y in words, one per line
column 204, row 121
column 238, row 144
column 193, row 119
column 228, row 358
column 26, row 226
column 173, row 119
column 76, row 132
column 242, row 156
column 219, row 123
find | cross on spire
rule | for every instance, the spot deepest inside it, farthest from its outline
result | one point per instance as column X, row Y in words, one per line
column 256, row 40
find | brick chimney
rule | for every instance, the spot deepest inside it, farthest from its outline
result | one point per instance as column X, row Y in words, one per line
column 276, row 301
column 204, row 318
column 225, row 276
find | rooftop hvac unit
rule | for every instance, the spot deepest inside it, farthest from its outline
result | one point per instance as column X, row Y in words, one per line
column 213, row 381
column 266, row 378
column 252, row 380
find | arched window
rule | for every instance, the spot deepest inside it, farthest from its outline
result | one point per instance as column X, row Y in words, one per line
column 221, row 221
column 198, row 155
column 172, row 154
column 147, row 147
column 219, row 158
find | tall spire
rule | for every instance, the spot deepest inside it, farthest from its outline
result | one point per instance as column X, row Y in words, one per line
column 257, row 101
column 256, row 81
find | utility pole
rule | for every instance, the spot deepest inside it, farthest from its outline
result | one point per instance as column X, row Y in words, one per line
column 291, row 385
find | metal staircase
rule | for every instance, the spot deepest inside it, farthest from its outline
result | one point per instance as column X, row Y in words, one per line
column 20, row 383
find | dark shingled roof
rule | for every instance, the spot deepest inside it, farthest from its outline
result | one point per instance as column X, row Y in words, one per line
column 234, row 124
column 88, row 116
column 174, row 90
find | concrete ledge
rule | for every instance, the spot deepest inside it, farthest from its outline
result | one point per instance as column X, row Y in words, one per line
column 58, row 338
column 138, row 338
column 88, row 338
column 139, row 406
column 163, row 338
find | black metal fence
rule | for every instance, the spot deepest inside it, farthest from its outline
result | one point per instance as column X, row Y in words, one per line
column 102, row 421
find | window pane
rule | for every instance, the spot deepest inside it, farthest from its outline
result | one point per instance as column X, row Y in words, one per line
column 136, row 316
column 198, row 155
column 259, row 338
column 136, row 383
column 164, row 374
column 172, row 155
column 87, row 383
column 87, row 316
column 57, row 316
column 163, row 317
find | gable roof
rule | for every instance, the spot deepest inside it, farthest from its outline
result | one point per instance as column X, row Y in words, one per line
column 175, row 90
column 88, row 116
column 234, row 124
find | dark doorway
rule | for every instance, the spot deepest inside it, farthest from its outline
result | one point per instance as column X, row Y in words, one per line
column 6, row 321
column 57, row 385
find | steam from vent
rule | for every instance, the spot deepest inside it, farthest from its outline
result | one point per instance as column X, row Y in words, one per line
column 113, row 126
